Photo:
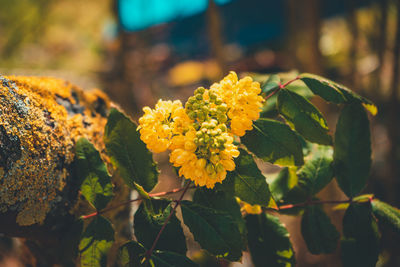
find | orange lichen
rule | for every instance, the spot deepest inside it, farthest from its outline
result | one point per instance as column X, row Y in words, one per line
column 40, row 120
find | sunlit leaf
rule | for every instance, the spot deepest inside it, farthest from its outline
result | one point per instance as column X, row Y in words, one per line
column 386, row 214
column 323, row 87
column 96, row 184
column 95, row 243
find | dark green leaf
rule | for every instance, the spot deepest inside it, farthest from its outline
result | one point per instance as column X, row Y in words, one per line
column 360, row 245
column 132, row 254
column 247, row 181
column 319, row 233
column 352, row 149
column 352, row 97
column 274, row 142
column 271, row 84
column 323, row 87
column 128, row 153
column 148, row 224
column 386, row 214
column 95, row 242
column 96, row 184
column 214, row 230
column 221, row 201
column 317, row 172
column 269, row 242
column 304, row 116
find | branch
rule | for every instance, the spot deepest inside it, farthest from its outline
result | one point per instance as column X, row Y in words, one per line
column 150, row 251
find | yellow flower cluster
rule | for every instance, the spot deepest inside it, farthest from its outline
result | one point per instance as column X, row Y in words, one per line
column 200, row 136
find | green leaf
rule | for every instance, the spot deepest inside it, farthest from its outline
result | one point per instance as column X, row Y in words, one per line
column 96, row 184
column 95, row 242
column 269, row 242
column 335, row 92
column 319, row 233
column 352, row 149
column 274, row 142
column 386, row 214
column 147, row 225
column 271, row 84
column 128, row 153
column 247, row 181
column 304, row 116
column 360, row 245
column 131, row 254
column 317, row 172
column 221, row 201
column 283, row 183
column 214, row 230
column 323, row 87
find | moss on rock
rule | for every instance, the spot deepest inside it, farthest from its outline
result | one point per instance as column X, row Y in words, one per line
column 40, row 121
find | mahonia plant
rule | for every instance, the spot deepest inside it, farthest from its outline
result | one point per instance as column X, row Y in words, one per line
column 213, row 141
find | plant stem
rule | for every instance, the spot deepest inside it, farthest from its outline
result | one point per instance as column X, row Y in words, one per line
column 159, row 194
column 280, row 87
column 150, row 251
column 311, row 203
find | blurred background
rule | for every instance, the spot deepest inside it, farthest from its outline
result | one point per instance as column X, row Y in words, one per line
column 141, row 50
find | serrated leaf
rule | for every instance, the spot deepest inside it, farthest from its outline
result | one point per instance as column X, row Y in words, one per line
column 147, row 225
column 95, row 243
column 274, row 142
column 360, row 245
column 247, row 181
column 271, row 84
column 214, row 230
column 319, row 233
column 96, row 184
column 352, row 149
column 131, row 254
column 128, row 153
column 222, row 201
column 386, row 214
column 316, row 173
column 323, row 87
column 269, row 242
column 304, row 116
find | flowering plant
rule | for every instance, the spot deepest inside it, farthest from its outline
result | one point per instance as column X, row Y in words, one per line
column 213, row 141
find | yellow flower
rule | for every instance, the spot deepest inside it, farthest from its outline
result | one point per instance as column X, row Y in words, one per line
column 158, row 125
column 243, row 101
column 204, row 156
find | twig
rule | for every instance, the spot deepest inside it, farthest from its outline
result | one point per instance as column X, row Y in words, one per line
column 150, row 251
column 159, row 194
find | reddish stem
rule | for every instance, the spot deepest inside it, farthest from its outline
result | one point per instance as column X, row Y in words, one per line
column 310, row 203
column 159, row 194
column 280, row 86
column 150, row 251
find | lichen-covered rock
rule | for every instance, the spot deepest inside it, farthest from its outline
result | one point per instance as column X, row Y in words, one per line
column 40, row 121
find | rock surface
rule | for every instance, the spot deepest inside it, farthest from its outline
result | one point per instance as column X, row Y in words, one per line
column 40, row 121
